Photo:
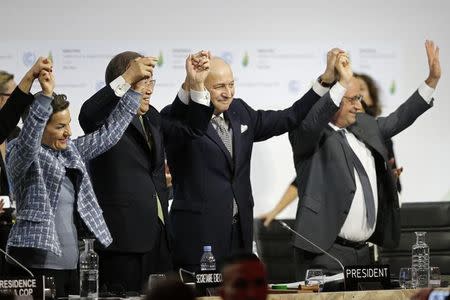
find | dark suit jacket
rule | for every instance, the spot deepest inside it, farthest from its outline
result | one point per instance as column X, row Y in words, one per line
column 126, row 177
column 9, row 117
column 326, row 177
column 206, row 179
column 12, row 111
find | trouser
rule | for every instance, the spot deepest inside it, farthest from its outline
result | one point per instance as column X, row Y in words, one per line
column 237, row 242
column 122, row 272
column 347, row 255
column 236, row 245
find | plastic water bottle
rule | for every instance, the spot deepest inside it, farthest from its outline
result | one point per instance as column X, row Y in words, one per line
column 207, row 262
column 88, row 271
column 420, row 262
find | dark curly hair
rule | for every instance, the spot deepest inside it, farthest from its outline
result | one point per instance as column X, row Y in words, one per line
column 59, row 103
column 375, row 109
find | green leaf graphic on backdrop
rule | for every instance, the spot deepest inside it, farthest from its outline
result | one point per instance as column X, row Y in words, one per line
column 393, row 87
column 160, row 59
column 50, row 56
column 245, row 59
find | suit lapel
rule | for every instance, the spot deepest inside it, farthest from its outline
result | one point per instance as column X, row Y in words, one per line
column 212, row 134
column 236, row 127
column 137, row 124
column 359, row 132
column 150, row 120
column 345, row 149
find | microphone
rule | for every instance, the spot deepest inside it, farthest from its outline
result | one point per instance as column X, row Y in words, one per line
column 185, row 271
column 16, row 262
column 287, row 227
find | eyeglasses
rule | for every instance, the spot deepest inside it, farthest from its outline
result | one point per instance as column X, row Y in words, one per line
column 146, row 83
column 150, row 82
column 357, row 98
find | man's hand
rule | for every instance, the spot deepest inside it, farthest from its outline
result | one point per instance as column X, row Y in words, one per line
column 41, row 64
column 200, row 58
column 268, row 217
column 329, row 76
column 396, row 172
column 422, row 294
column 168, row 175
column 433, row 64
column 139, row 68
column 47, row 82
column 344, row 69
column 197, row 69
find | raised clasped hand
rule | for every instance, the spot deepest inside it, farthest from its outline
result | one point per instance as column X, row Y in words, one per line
column 197, row 69
column 344, row 69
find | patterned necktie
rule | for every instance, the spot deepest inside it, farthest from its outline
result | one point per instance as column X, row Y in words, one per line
column 158, row 202
column 225, row 136
column 365, row 182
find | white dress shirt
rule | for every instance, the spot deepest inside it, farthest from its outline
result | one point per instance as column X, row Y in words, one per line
column 356, row 227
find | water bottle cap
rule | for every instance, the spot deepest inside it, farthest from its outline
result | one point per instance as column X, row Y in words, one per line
column 206, row 248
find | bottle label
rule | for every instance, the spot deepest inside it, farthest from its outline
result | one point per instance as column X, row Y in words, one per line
column 208, row 279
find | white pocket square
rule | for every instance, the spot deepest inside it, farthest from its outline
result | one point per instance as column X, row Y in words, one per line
column 244, row 128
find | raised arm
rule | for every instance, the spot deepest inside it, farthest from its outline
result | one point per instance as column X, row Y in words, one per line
column 24, row 150
column 20, row 98
column 419, row 102
column 101, row 140
column 271, row 123
column 96, row 109
column 306, row 137
column 112, row 129
column 190, row 113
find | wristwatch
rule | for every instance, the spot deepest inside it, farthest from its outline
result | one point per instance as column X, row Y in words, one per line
column 325, row 84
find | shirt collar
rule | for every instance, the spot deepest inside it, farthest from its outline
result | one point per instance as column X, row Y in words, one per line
column 336, row 128
column 220, row 116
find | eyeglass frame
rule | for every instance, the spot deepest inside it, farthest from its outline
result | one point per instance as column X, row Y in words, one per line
column 150, row 82
column 146, row 82
column 355, row 98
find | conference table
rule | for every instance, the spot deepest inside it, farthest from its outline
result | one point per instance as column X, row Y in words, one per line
column 356, row 295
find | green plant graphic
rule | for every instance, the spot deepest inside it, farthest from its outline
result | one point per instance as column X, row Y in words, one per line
column 393, row 87
column 245, row 59
column 160, row 59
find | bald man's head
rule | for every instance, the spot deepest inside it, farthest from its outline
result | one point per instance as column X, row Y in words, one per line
column 220, row 84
